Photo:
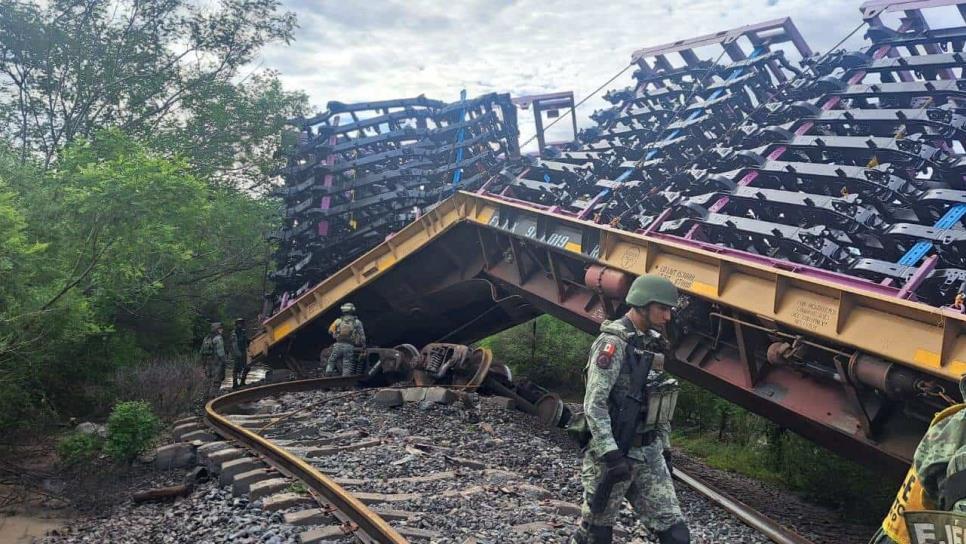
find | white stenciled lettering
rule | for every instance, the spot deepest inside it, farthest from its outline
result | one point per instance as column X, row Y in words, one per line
column 925, row 532
column 558, row 240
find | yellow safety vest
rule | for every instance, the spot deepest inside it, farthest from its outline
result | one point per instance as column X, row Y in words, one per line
column 911, row 496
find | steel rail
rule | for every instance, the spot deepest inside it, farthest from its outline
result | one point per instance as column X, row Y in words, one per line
column 751, row 517
column 358, row 519
column 368, row 526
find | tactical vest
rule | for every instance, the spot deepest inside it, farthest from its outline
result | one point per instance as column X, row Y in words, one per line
column 662, row 395
column 208, row 346
column 346, row 332
column 912, row 497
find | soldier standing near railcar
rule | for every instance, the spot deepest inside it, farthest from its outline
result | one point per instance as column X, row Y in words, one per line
column 214, row 358
column 348, row 334
column 239, row 352
column 930, row 506
column 627, row 408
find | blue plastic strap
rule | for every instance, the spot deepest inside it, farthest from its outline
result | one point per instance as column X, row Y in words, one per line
column 458, row 173
column 947, row 221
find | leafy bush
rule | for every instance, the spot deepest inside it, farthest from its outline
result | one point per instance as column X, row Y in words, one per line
column 170, row 384
column 550, row 352
column 131, row 429
column 78, row 448
column 731, row 438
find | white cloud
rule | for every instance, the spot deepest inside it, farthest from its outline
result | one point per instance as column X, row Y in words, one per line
column 377, row 49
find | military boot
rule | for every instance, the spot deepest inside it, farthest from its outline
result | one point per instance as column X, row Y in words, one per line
column 675, row 534
column 592, row 534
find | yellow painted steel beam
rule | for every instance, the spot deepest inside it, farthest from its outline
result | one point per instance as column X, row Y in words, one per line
column 910, row 333
column 358, row 274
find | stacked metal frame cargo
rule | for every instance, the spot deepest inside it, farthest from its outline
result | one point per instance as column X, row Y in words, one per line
column 654, row 127
column 362, row 171
column 854, row 169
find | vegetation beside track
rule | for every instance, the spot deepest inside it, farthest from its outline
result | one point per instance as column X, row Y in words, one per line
column 137, row 146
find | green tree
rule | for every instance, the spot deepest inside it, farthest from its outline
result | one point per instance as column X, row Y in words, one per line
column 547, row 350
column 118, row 252
column 168, row 72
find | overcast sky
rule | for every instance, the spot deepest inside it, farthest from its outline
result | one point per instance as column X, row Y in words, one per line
column 376, row 49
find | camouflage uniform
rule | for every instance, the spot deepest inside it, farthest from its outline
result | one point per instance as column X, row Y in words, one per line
column 239, row 352
column 940, row 458
column 215, row 360
column 344, row 348
column 649, row 489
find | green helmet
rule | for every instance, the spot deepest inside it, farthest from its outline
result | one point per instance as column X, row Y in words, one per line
column 650, row 288
column 348, row 308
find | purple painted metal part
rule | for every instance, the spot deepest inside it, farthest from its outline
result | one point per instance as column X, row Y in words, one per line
column 874, row 8
column 755, row 31
column 590, row 206
column 926, row 268
column 523, row 102
column 658, row 220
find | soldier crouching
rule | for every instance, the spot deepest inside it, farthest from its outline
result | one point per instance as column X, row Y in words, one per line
column 627, row 408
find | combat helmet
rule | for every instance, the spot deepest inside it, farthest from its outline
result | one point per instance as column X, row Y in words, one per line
column 651, row 288
column 348, row 308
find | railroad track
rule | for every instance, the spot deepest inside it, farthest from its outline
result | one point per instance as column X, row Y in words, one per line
column 334, row 514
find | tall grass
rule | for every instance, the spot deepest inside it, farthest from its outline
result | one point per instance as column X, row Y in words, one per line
column 171, row 385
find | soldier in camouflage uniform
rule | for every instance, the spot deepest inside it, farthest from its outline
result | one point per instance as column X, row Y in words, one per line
column 936, row 481
column 239, row 353
column 348, row 334
column 214, row 358
column 642, row 476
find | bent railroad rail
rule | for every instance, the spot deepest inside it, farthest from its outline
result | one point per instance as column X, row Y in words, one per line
column 367, row 526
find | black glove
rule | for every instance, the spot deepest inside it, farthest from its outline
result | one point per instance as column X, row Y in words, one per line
column 667, row 460
column 618, row 467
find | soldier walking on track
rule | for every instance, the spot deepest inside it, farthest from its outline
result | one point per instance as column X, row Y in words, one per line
column 627, row 409
column 214, row 358
column 239, row 352
column 348, row 334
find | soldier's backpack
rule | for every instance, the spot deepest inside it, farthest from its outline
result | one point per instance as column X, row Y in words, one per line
column 345, row 331
column 208, row 347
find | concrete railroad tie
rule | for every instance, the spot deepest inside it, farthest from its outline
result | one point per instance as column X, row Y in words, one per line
column 241, row 483
column 234, row 467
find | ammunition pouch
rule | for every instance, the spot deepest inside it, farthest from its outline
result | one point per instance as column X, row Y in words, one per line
column 662, row 398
